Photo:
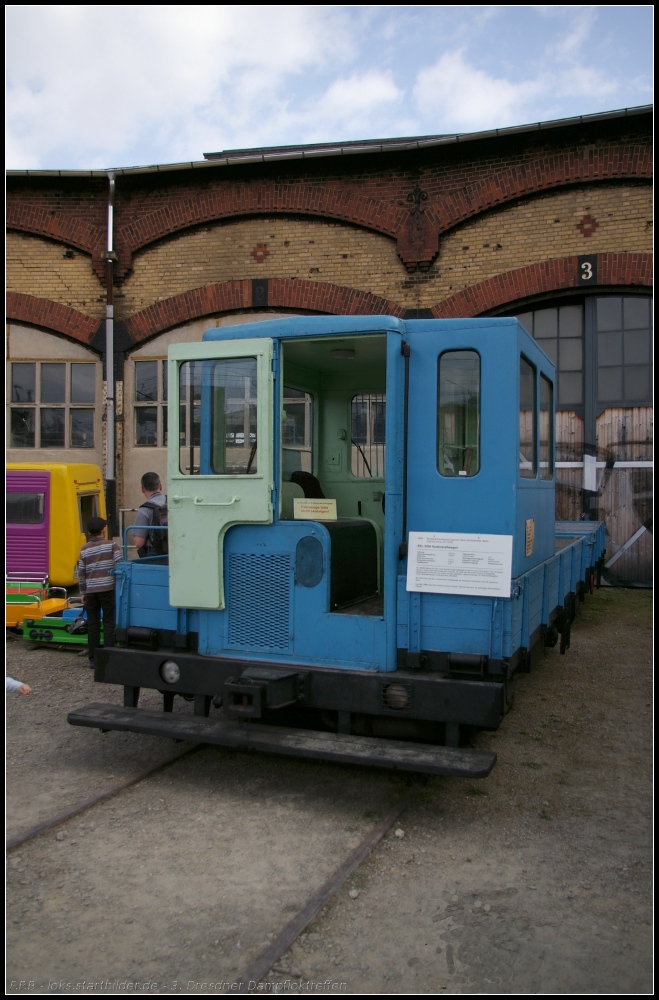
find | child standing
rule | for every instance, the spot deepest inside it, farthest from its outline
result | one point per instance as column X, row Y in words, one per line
column 96, row 579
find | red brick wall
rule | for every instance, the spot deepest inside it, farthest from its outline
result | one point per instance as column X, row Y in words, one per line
column 376, row 192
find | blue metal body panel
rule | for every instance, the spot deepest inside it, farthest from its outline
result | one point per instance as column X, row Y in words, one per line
column 271, row 615
column 497, row 500
column 295, row 626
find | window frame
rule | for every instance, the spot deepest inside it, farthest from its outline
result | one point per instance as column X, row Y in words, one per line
column 358, row 456
column 440, row 465
column 37, row 407
column 160, row 403
column 531, row 473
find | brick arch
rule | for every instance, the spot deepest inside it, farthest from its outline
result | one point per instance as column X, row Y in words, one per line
column 453, row 197
column 631, row 269
column 556, row 170
column 266, row 198
column 417, row 235
column 230, row 296
column 51, row 316
column 58, row 226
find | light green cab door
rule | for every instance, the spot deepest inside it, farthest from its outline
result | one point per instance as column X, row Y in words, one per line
column 220, row 458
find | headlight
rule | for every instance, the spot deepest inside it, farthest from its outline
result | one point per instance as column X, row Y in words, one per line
column 170, row 672
column 396, row 696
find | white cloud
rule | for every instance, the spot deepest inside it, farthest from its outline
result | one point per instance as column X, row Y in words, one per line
column 94, row 86
column 467, row 98
column 356, row 97
column 100, row 77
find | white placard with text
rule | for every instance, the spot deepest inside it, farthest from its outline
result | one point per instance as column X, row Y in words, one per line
column 460, row 563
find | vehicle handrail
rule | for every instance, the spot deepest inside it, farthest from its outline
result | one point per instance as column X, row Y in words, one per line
column 140, row 527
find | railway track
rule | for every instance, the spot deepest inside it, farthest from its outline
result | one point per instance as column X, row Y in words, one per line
column 266, row 960
column 80, row 807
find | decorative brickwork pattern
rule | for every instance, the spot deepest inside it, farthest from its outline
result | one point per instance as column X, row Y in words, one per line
column 458, row 182
column 304, row 249
column 535, row 229
column 540, row 228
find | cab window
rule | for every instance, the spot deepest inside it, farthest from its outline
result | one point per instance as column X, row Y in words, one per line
column 458, row 413
column 546, row 428
column 527, row 420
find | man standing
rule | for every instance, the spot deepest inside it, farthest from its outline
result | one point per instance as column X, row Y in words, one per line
column 98, row 559
column 152, row 542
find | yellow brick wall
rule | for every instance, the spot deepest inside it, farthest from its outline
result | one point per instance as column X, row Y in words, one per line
column 39, row 267
column 526, row 232
column 535, row 229
column 297, row 248
column 540, row 229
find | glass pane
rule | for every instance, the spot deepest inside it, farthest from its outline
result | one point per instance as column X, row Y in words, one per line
column 570, row 389
column 367, row 451
column 233, row 416
column 22, row 383
column 164, row 426
column 609, row 384
column 637, row 313
column 637, row 347
column 545, row 323
column 146, row 426
column 190, row 377
column 550, row 347
column 571, row 355
column 82, row 428
column 570, row 321
column 146, row 381
column 526, row 319
column 53, row 383
column 22, row 428
column 458, row 413
column 609, row 314
column 164, row 380
column 527, row 423
column 25, row 508
column 83, row 383
column 637, row 383
column 296, row 431
column 546, row 429
column 52, row 427
column 609, row 348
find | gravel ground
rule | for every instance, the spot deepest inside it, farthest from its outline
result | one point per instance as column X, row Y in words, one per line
column 535, row 880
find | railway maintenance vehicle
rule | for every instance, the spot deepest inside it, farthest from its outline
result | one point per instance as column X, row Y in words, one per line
column 362, row 543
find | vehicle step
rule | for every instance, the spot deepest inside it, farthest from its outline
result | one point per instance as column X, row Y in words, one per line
column 364, row 750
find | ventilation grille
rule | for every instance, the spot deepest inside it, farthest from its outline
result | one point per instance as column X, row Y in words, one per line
column 27, row 555
column 259, row 602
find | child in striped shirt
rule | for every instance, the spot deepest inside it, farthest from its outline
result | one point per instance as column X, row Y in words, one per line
column 98, row 559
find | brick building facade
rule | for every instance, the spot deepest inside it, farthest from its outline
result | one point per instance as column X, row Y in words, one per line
column 552, row 223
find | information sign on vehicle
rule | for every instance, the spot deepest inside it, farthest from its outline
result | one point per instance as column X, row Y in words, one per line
column 460, row 563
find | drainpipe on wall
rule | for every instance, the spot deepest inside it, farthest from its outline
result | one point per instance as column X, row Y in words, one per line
column 110, row 475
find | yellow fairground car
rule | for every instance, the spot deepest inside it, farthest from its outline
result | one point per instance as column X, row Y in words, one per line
column 48, row 506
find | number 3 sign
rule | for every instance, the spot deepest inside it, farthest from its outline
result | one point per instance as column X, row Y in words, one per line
column 587, row 270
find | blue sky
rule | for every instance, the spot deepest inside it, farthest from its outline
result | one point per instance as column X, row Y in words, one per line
column 127, row 85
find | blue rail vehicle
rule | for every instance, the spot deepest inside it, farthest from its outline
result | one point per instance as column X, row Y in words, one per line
column 363, row 549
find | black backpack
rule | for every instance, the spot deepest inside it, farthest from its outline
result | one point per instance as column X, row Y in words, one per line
column 157, row 539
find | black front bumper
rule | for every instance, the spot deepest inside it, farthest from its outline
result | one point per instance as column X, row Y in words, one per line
column 337, row 747
column 428, row 696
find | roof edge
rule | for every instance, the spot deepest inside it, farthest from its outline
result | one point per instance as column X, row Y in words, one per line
column 270, row 154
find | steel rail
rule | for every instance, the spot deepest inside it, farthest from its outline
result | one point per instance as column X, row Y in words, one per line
column 48, row 824
column 260, row 967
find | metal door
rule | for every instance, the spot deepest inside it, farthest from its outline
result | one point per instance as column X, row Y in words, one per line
column 218, row 474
